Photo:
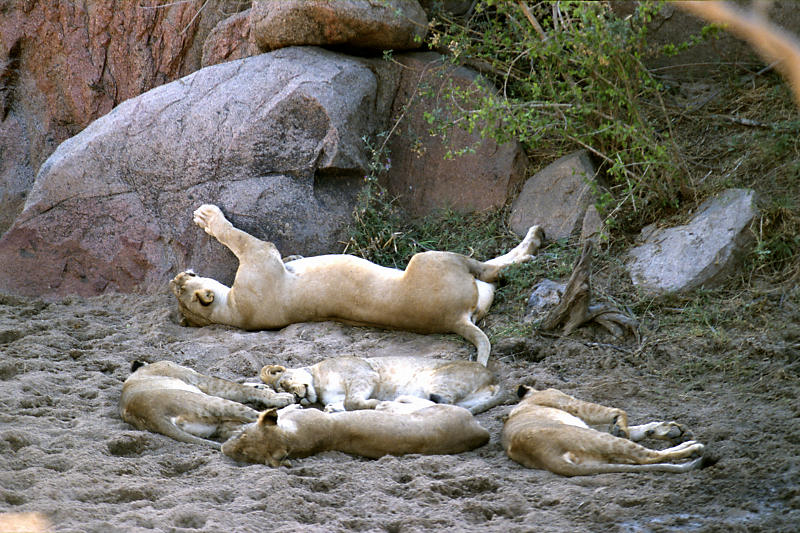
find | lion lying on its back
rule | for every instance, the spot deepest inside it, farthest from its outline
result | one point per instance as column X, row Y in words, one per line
column 351, row 383
column 438, row 292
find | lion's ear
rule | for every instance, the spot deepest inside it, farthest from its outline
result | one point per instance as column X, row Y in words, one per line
column 268, row 418
column 205, row 296
column 523, row 390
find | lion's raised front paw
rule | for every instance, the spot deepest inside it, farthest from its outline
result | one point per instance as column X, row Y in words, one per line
column 209, row 217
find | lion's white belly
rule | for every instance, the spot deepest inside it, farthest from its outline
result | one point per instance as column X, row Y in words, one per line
column 331, row 388
column 199, row 429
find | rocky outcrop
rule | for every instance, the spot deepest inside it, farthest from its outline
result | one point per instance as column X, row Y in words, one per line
column 64, row 64
column 385, row 25
column 229, row 40
column 700, row 253
column 275, row 140
column 421, row 176
column 557, row 198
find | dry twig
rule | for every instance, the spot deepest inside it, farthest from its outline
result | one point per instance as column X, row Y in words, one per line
column 574, row 310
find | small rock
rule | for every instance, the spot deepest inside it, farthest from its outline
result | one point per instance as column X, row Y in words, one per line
column 556, row 198
column 545, row 296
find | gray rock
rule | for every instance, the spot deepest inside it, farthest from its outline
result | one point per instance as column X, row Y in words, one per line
column 385, row 25
column 275, row 140
column 700, row 253
column 545, row 296
column 16, row 174
column 556, row 197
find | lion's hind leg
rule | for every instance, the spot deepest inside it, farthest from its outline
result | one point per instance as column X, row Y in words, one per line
column 218, row 418
column 595, row 452
column 485, row 399
column 591, row 413
column 524, row 251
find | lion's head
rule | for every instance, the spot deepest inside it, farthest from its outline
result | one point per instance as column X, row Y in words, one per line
column 298, row 381
column 198, row 297
column 259, row 442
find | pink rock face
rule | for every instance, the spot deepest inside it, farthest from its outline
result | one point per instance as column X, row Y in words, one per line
column 72, row 62
column 385, row 25
column 420, row 175
column 229, row 40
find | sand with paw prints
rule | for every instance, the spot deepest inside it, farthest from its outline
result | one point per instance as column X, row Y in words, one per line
column 65, row 452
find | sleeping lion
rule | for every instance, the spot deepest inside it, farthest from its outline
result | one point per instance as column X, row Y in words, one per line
column 188, row 406
column 438, row 292
column 353, row 383
column 408, row 425
column 551, row 430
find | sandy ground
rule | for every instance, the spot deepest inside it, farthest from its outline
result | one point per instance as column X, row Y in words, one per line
column 65, row 452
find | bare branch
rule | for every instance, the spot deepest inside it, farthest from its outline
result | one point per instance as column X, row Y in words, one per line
column 771, row 42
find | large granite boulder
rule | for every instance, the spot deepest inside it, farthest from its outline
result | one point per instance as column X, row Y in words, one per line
column 700, row 253
column 422, row 176
column 64, row 64
column 558, row 198
column 275, row 140
column 364, row 24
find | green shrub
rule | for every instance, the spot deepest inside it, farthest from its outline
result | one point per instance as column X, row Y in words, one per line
column 579, row 82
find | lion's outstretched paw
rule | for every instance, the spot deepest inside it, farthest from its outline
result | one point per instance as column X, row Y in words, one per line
column 337, row 407
column 532, row 242
column 281, row 399
column 671, row 431
column 208, row 217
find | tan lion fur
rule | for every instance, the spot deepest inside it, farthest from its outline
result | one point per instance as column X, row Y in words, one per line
column 294, row 432
column 351, row 383
column 438, row 292
column 188, row 406
column 548, row 430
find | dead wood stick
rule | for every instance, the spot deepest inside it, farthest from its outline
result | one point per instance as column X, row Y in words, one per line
column 573, row 310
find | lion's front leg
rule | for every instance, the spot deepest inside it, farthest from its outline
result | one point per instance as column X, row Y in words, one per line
column 358, row 393
column 230, row 390
column 591, row 413
column 213, row 221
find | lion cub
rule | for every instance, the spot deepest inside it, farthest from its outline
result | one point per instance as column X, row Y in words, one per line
column 352, row 383
column 188, row 406
column 549, row 430
column 411, row 425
